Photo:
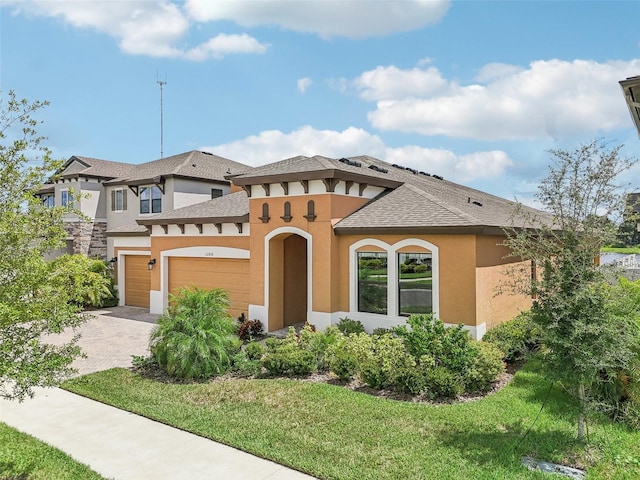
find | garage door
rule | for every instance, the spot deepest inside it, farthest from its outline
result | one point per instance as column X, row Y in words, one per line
column 137, row 280
column 230, row 274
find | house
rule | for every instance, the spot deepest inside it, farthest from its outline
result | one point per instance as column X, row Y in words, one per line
column 317, row 239
column 151, row 189
column 631, row 90
column 80, row 183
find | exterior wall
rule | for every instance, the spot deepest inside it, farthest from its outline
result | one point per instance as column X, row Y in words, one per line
column 92, row 200
column 187, row 192
column 493, row 263
column 321, row 246
column 89, row 237
column 125, row 217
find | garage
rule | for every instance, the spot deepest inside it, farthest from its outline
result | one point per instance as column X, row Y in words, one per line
column 230, row 274
column 137, row 280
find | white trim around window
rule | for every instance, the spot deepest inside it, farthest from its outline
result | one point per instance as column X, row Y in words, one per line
column 392, row 316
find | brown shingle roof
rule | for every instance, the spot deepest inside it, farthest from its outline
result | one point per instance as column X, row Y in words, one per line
column 99, row 168
column 233, row 208
column 193, row 164
column 129, row 230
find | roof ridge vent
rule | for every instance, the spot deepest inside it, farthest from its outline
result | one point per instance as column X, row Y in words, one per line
column 207, row 153
column 378, row 169
column 424, row 173
column 438, row 177
column 351, row 163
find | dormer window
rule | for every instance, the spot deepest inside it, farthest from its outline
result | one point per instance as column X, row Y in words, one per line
column 216, row 192
column 150, row 200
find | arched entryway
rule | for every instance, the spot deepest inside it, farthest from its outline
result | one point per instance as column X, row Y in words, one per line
column 288, row 280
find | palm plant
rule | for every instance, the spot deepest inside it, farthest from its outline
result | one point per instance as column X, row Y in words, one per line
column 194, row 338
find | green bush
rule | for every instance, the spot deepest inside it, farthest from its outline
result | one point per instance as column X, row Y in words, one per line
column 442, row 382
column 517, row 338
column 289, row 361
column 348, row 353
column 245, row 366
column 387, row 360
column 347, row 326
column 450, row 347
column 317, row 342
column 89, row 278
column 194, row 338
column 487, row 368
column 254, row 350
column 380, row 331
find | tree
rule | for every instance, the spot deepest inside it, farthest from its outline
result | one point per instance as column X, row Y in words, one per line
column 33, row 304
column 587, row 335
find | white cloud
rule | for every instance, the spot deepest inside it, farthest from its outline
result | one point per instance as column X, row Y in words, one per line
column 549, row 99
column 303, row 84
column 274, row 145
column 142, row 27
column 349, row 18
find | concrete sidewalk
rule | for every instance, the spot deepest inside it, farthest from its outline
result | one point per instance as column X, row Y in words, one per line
column 121, row 445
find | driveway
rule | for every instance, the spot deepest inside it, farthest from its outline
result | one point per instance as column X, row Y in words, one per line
column 110, row 337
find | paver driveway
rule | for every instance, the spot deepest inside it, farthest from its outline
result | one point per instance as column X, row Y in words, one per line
column 110, row 338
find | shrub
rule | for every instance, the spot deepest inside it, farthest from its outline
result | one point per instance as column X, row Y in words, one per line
column 414, row 379
column 347, row 326
column 442, row 382
column 487, row 368
column 517, row 338
column 348, row 353
column 388, row 360
column 194, row 338
column 289, row 361
column 380, row 331
column 318, row 342
column 245, row 366
column 248, row 330
column 89, row 278
column 450, row 347
column 254, row 350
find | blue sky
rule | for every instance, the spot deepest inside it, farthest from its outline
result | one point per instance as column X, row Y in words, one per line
column 474, row 91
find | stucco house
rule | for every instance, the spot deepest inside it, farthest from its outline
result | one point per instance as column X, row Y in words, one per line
column 318, row 239
column 80, row 183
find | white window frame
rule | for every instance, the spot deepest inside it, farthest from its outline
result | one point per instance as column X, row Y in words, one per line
column 123, row 201
column 66, row 198
column 151, row 188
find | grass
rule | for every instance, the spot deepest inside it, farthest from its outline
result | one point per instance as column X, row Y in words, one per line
column 334, row 433
column 22, row 457
column 625, row 250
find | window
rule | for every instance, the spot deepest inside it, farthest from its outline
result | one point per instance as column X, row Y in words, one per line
column 118, row 200
column 216, row 192
column 150, row 200
column 67, row 198
column 415, row 293
column 372, row 282
column 48, row 200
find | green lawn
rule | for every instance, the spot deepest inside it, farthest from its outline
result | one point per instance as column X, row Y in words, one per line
column 335, row 433
column 626, row 250
column 23, row 457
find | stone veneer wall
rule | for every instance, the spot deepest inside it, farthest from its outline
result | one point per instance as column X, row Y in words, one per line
column 89, row 238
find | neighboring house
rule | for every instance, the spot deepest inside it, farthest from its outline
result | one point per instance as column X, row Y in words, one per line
column 80, row 183
column 154, row 188
column 631, row 90
column 318, row 239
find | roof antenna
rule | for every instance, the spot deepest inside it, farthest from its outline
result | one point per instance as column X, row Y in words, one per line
column 162, row 84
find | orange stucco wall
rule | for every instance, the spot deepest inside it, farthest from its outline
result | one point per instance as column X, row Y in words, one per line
column 161, row 243
column 493, row 267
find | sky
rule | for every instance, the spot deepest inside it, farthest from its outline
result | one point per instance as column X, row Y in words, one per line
column 475, row 91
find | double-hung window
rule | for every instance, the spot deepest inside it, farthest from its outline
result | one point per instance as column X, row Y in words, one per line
column 372, row 282
column 150, row 200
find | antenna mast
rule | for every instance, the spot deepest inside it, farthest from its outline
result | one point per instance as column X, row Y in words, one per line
column 162, row 84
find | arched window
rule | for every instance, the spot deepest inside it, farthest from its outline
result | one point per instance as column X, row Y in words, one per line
column 287, row 212
column 265, row 213
column 311, row 211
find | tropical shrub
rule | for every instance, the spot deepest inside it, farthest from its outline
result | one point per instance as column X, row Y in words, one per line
column 349, row 352
column 245, row 366
column 287, row 356
column 517, row 338
column 317, row 342
column 442, row 382
column 486, row 369
column 194, row 338
column 380, row 331
column 248, row 330
column 348, row 326
column 88, row 278
column 388, row 359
